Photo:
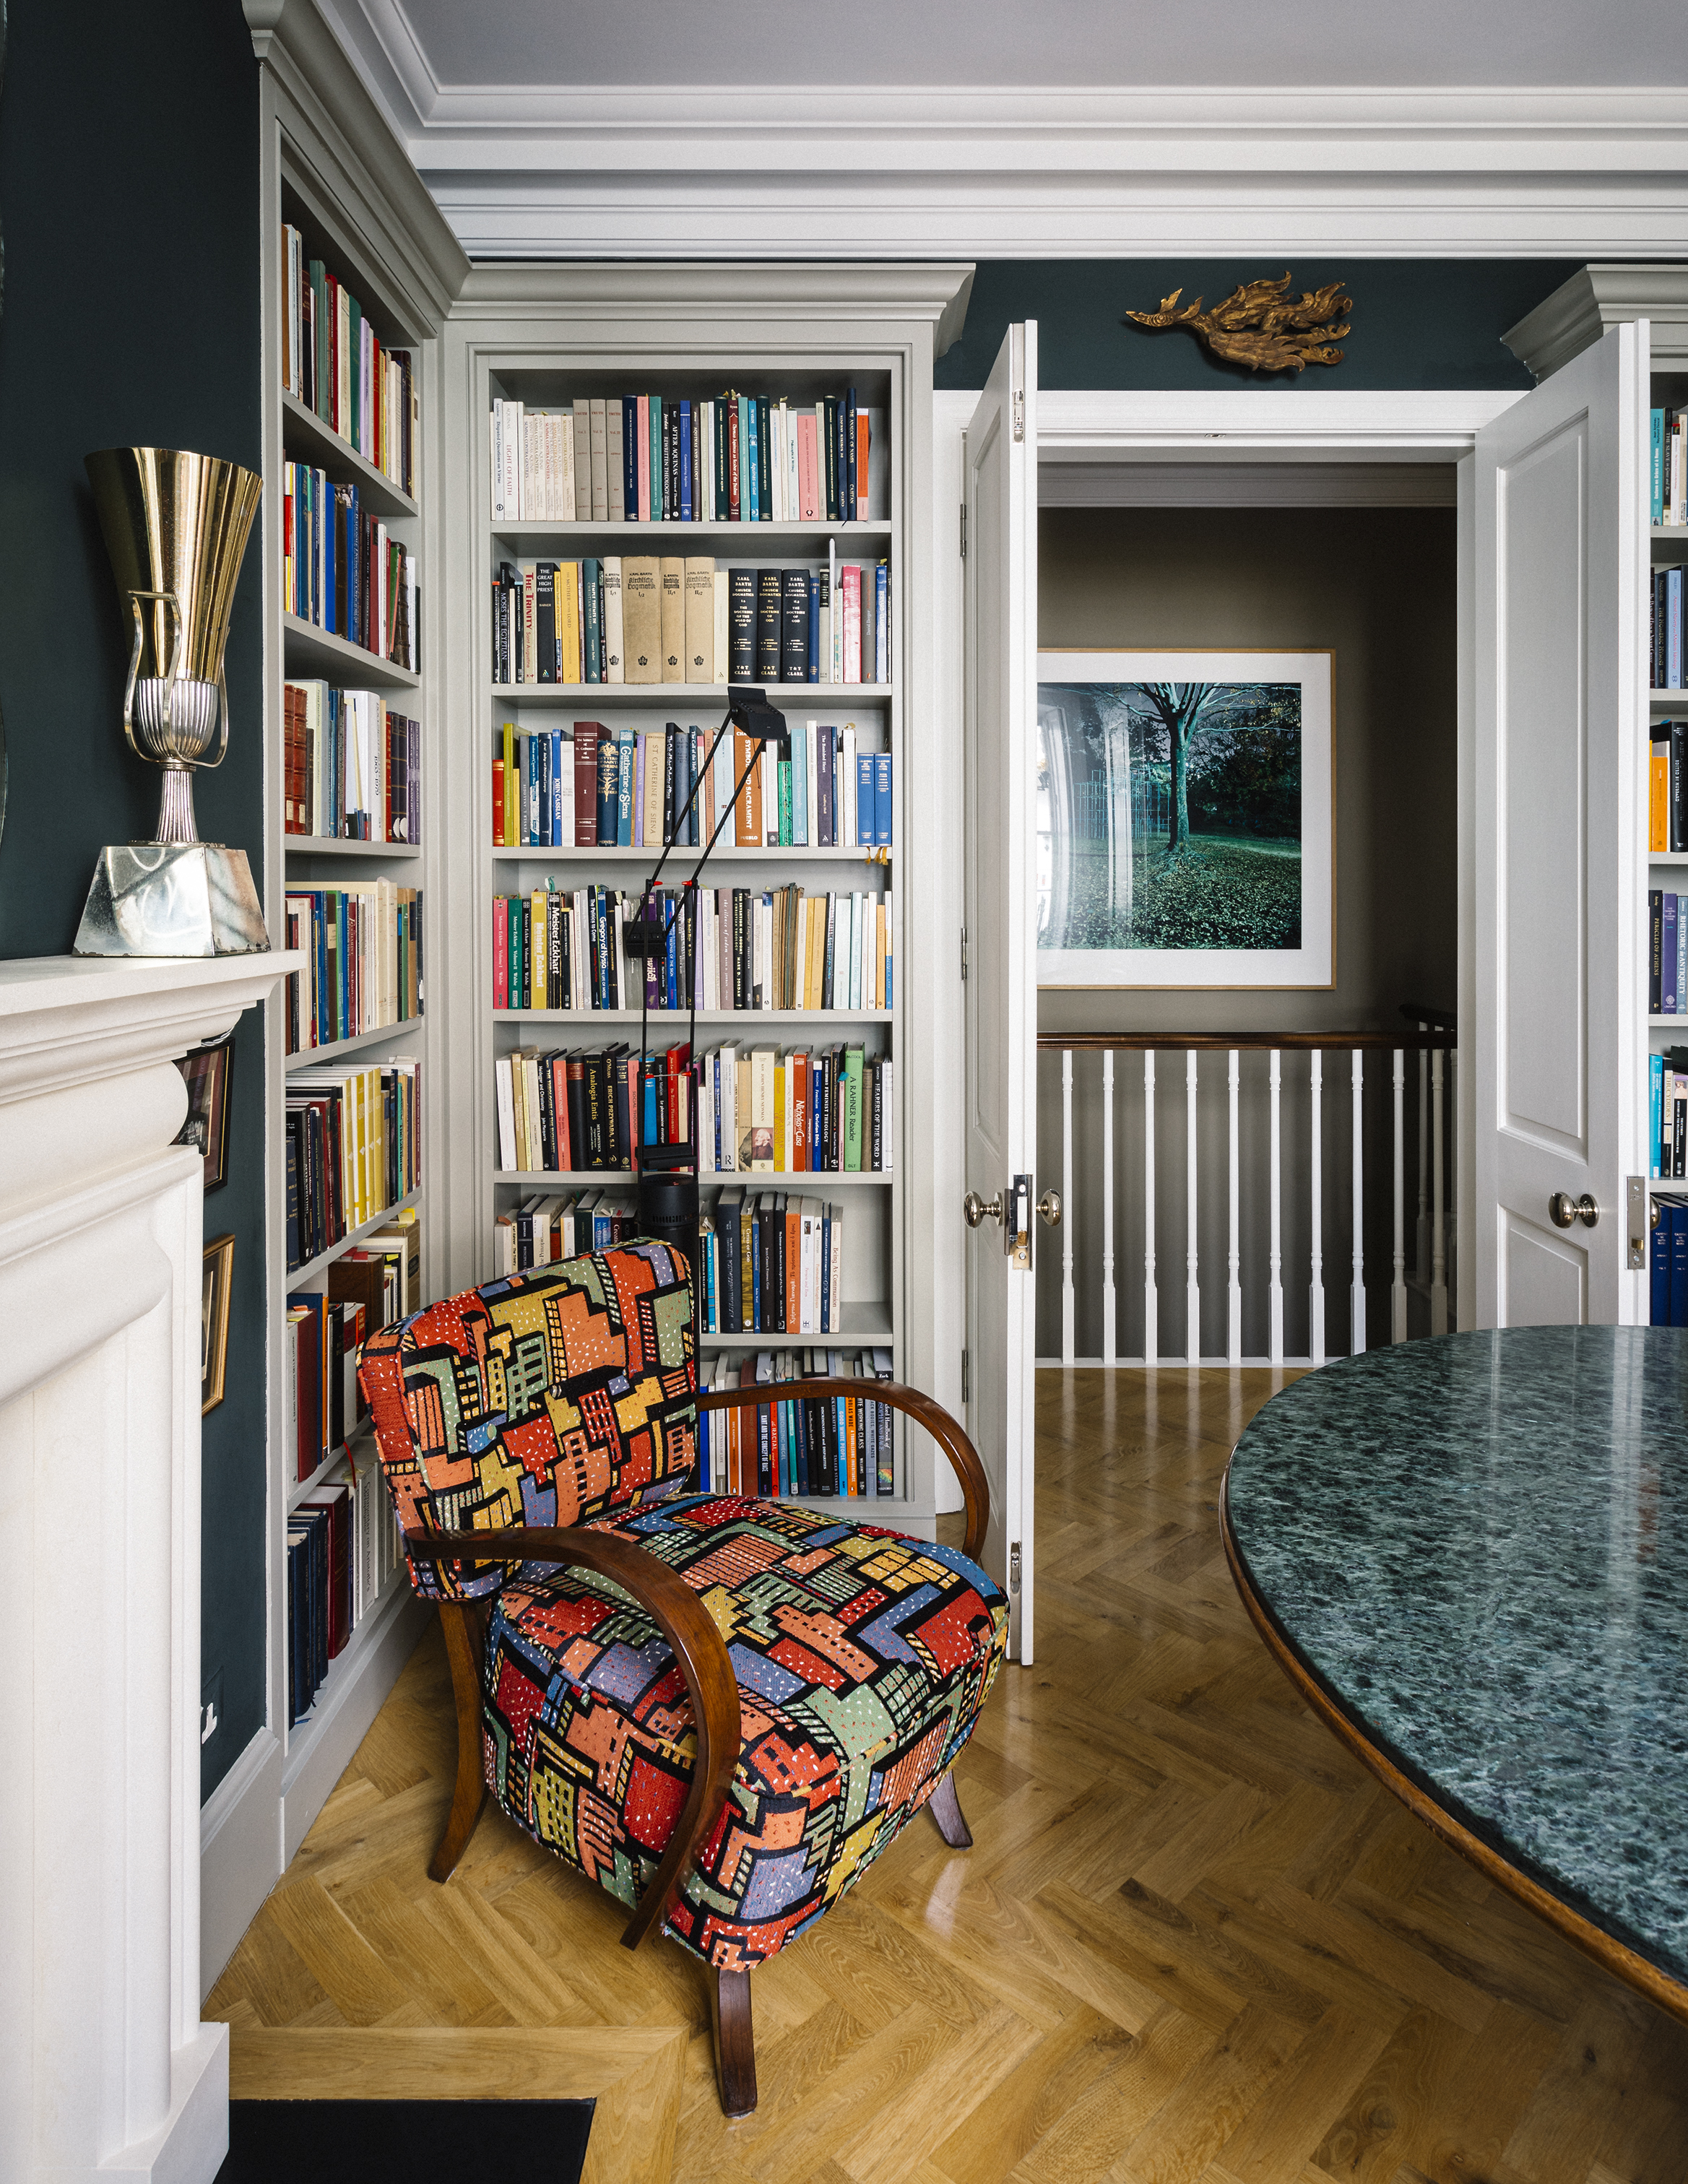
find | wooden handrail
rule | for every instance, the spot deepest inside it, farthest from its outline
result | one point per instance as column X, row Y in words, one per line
column 1224, row 1042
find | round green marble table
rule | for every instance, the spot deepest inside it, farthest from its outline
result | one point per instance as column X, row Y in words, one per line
column 1471, row 1555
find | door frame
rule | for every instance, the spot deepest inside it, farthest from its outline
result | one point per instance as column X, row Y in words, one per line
column 1300, row 425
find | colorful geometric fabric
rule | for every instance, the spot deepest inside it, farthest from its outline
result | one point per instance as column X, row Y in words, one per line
column 862, row 1659
column 567, row 1396
column 544, row 1399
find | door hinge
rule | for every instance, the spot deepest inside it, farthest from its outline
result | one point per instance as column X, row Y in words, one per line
column 1014, row 1566
column 964, row 530
column 964, row 951
column 967, row 1384
column 1019, row 412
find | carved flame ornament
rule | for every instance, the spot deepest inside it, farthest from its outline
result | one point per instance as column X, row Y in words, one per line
column 1261, row 326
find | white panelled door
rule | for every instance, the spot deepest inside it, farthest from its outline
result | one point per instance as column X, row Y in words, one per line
column 1558, row 1023
column 999, row 948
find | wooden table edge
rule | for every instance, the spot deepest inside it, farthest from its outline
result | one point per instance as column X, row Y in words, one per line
column 1612, row 1955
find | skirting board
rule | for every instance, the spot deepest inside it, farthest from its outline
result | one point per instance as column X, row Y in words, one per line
column 1180, row 1365
column 239, row 1853
column 345, row 1716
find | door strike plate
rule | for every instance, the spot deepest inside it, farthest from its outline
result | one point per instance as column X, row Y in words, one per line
column 1636, row 1193
column 1017, row 1225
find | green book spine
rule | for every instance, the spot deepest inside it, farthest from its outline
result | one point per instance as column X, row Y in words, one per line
column 319, row 289
column 852, row 1098
column 658, row 512
column 785, row 803
column 518, row 968
column 354, row 374
column 592, row 621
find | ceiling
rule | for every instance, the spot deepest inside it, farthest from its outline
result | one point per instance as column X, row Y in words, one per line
column 1069, row 128
column 569, row 43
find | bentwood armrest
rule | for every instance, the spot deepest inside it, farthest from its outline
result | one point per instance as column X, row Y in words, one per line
column 693, row 1638
column 964, row 1457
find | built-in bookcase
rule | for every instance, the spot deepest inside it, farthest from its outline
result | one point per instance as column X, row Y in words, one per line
column 1665, row 873
column 362, row 211
column 569, row 342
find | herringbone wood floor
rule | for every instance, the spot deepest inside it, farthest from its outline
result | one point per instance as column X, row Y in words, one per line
column 1194, row 1943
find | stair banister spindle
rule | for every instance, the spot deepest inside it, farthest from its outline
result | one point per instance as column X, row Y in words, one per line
column 1438, row 1272
column 1234, row 1284
column 1192, row 1286
column 1274, row 1291
column 1151, row 1303
column 1067, row 1347
column 1421, row 1242
column 1315, row 1284
column 1108, row 1340
column 1398, row 1295
column 1357, row 1291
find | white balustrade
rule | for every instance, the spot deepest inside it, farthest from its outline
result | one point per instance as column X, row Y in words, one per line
column 1425, row 1273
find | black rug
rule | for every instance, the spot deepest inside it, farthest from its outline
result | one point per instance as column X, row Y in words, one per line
column 398, row 2141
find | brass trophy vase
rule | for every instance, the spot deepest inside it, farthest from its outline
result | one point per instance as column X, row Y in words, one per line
column 175, row 526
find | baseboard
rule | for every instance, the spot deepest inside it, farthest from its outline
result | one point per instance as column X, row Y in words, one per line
column 240, row 1847
column 1178, row 1364
column 189, row 2147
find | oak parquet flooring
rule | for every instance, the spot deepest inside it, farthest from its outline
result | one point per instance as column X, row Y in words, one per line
column 1194, row 1943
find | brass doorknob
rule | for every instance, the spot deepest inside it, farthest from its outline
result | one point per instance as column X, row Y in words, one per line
column 1563, row 1210
column 978, row 1209
column 1049, row 1208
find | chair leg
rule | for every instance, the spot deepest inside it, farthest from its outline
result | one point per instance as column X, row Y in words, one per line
column 735, row 2043
column 465, row 1630
column 946, row 1808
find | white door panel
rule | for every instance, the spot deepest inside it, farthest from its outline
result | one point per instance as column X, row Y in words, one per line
column 1558, row 627
column 999, row 589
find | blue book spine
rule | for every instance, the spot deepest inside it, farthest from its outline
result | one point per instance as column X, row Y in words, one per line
column 847, row 483
column 1666, row 1000
column 609, row 790
column 531, row 829
column 1677, row 1217
column 799, row 776
column 813, row 670
column 562, row 783
column 817, row 1114
column 626, row 741
column 1673, row 629
column 825, row 1269
column 1655, row 469
column 326, row 502
column 1658, row 1265
column 882, row 799
column 754, row 1324
column 686, row 510
column 1682, row 956
column 882, row 623
column 865, row 820
column 545, row 828
column 749, row 462
column 630, row 457
column 651, row 1135
column 1655, row 1108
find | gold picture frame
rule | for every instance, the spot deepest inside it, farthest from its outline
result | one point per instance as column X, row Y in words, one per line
column 217, row 1281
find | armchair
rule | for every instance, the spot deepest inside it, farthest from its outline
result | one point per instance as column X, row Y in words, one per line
column 719, row 1709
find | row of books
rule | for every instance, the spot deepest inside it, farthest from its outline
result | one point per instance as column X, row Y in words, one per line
column 1668, row 481
column 1667, row 953
column 334, row 362
column 652, row 458
column 631, row 788
column 362, row 944
column 665, row 618
column 352, row 766
column 343, row 572
column 354, row 1148
column 714, row 947
column 821, row 1110
column 1668, row 1112
column 363, row 1290
column 1667, row 632
column 342, row 1547
column 546, row 1227
column 795, row 1444
column 771, row 1262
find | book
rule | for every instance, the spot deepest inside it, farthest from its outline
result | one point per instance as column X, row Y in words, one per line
column 671, row 634
column 770, row 624
column 700, row 621
column 642, row 618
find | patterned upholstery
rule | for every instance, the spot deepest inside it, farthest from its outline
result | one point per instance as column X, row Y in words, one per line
column 544, row 1399
column 862, row 1658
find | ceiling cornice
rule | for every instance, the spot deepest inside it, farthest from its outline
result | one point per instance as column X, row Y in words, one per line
column 614, row 170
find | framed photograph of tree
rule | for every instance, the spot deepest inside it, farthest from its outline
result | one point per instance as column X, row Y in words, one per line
column 1184, row 829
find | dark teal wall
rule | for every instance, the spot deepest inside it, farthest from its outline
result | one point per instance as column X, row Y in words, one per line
column 1417, row 322
column 129, row 198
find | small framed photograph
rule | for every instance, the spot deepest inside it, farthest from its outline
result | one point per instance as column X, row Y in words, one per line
column 1184, row 819
column 207, row 1070
column 214, row 1320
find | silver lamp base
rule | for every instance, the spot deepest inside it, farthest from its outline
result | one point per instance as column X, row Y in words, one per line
column 172, row 899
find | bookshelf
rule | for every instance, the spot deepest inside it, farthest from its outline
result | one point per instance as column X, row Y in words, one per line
column 1665, row 545
column 545, row 335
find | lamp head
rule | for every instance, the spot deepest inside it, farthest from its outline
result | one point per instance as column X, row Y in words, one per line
column 750, row 713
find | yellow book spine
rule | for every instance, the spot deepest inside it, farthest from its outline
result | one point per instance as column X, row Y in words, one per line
column 780, row 1113
column 1659, row 802
column 536, row 979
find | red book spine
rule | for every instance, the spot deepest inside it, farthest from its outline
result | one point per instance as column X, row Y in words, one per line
column 862, row 440
column 731, row 408
column 585, row 735
column 501, row 952
column 559, row 1105
column 800, row 1111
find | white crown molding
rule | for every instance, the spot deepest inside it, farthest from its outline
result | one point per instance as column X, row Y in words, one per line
column 610, row 170
column 1261, row 424
column 1596, row 297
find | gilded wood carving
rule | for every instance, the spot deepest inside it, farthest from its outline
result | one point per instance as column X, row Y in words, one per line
column 1261, row 326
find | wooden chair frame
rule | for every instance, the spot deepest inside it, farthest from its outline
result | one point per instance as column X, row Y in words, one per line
column 698, row 1648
